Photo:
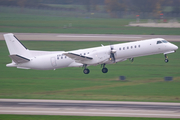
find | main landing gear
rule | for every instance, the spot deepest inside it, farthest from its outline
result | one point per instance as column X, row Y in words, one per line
column 104, row 69
column 166, row 59
column 86, row 70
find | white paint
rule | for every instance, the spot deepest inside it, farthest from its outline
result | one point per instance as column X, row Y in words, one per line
column 46, row 60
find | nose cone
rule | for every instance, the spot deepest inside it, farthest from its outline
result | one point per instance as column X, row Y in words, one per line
column 175, row 47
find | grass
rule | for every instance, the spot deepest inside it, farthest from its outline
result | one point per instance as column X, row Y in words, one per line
column 145, row 78
column 47, row 117
column 78, row 7
column 47, row 21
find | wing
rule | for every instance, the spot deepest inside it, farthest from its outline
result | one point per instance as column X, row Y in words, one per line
column 19, row 59
column 77, row 57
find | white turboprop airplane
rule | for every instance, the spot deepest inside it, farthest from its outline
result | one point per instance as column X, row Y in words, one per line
column 46, row 60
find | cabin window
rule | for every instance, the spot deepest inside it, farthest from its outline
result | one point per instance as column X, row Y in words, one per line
column 131, row 47
column 84, row 53
column 135, row 46
column 61, row 57
column 139, row 46
column 164, row 41
column 159, row 42
column 127, row 47
column 119, row 48
column 123, row 48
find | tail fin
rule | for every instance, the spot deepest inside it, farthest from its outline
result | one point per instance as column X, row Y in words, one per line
column 15, row 47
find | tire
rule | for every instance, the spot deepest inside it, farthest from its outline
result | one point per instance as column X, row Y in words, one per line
column 86, row 71
column 104, row 70
column 166, row 60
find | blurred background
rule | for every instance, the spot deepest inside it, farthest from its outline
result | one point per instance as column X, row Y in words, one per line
column 90, row 16
column 149, row 9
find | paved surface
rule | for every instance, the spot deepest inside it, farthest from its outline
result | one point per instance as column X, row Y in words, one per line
column 89, row 37
column 89, row 108
column 160, row 25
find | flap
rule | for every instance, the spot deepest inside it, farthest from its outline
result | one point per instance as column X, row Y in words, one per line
column 19, row 59
column 77, row 57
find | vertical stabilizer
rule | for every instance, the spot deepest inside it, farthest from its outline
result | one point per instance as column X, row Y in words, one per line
column 15, row 47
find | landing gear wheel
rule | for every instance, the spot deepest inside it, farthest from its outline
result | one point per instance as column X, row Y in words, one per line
column 86, row 71
column 104, row 70
column 166, row 60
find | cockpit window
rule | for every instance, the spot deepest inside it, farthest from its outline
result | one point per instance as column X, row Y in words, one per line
column 164, row 41
column 159, row 42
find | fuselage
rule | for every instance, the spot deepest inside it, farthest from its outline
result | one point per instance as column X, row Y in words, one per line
column 100, row 54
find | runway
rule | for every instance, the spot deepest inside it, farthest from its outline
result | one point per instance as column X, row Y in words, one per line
column 88, row 37
column 89, row 108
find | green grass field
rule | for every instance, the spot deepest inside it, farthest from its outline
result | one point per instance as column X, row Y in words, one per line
column 47, row 21
column 145, row 78
column 47, row 117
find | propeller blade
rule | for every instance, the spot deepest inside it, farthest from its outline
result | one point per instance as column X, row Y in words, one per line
column 112, row 57
column 112, row 52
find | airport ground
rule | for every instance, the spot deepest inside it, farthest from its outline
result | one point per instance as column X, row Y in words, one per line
column 144, row 77
column 156, row 25
column 67, row 84
column 89, row 108
column 88, row 37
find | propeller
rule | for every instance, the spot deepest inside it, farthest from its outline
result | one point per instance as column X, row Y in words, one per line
column 112, row 56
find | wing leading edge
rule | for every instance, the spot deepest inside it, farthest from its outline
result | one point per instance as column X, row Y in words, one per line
column 77, row 57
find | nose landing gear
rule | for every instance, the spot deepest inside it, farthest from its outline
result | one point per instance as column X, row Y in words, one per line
column 166, row 59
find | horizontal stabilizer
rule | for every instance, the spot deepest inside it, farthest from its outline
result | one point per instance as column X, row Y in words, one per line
column 77, row 57
column 19, row 59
